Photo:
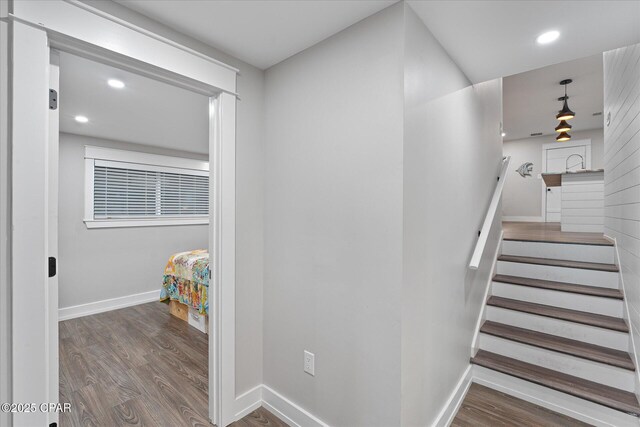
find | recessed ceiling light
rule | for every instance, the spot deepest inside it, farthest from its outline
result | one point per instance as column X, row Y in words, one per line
column 81, row 119
column 504, row 134
column 548, row 37
column 118, row 84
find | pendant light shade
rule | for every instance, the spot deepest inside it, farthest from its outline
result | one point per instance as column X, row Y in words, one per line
column 565, row 113
column 563, row 137
column 563, row 127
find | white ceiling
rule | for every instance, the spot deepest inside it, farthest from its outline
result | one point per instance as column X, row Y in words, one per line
column 145, row 111
column 531, row 98
column 259, row 32
column 490, row 39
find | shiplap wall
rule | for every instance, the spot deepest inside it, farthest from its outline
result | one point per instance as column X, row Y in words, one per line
column 582, row 202
column 622, row 168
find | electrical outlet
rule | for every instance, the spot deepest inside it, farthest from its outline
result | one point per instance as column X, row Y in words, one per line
column 309, row 363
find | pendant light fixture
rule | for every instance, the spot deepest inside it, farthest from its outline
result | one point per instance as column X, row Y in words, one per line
column 565, row 113
column 563, row 127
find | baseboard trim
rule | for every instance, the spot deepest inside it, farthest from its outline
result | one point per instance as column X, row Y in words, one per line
column 248, row 401
column 289, row 411
column 445, row 417
column 523, row 218
column 81, row 310
column 285, row 409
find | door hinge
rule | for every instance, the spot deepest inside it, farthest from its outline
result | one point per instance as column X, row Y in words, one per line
column 52, row 266
column 53, row 99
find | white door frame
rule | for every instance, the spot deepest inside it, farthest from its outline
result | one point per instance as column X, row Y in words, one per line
column 552, row 146
column 38, row 26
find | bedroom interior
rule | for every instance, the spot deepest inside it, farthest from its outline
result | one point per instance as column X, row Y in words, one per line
column 133, row 217
column 312, row 213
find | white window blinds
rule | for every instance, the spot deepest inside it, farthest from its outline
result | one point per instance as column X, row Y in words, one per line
column 136, row 192
column 129, row 189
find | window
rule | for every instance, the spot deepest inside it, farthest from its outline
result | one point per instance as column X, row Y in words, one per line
column 131, row 189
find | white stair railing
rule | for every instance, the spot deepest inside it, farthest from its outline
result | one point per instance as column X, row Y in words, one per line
column 488, row 219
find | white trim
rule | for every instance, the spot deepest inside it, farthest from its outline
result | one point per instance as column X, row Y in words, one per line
column 149, row 33
column 517, row 218
column 64, row 20
column 288, row 411
column 29, row 220
column 137, row 157
column 66, row 313
column 144, row 222
column 554, row 145
column 448, row 412
column 490, row 216
column 248, row 401
column 39, row 25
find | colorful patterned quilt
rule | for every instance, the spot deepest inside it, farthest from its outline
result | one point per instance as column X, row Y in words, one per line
column 186, row 279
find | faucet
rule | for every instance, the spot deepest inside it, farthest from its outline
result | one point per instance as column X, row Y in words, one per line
column 567, row 162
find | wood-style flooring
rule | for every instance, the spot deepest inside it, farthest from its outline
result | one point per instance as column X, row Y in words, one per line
column 483, row 406
column 550, row 232
column 138, row 366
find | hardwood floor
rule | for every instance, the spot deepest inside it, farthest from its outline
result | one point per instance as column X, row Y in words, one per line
column 483, row 406
column 138, row 366
column 549, row 232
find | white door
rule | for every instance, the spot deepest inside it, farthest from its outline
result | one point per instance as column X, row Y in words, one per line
column 52, row 207
column 557, row 162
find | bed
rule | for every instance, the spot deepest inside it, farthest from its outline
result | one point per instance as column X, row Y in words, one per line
column 185, row 287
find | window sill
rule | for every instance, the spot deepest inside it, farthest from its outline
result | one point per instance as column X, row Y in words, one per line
column 122, row 223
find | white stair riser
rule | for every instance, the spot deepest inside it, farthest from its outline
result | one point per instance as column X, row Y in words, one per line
column 574, row 407
column 591, row 304
column 564, row 251
column 570, row 365
column 590, row 334
column 605, row 279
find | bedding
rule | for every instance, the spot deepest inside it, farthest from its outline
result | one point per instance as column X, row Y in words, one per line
column 186, row 280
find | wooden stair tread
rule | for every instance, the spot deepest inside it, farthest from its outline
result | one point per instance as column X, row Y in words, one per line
column 559, row 286
column 559, row 263
column 583, row 317
column 580, row 349
column 559, row 239
column 610, row 397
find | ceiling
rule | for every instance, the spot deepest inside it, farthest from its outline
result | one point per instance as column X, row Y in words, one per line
column 531, row 99
column 139, row 113
column 261, row 33
column 487, row 39
column 490, row 39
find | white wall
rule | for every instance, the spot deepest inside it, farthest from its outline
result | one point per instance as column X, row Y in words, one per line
column 452, row 156
column 522, row 197
column 249, row 195
column 622, row 170
column 333, row 224
column 99, row 264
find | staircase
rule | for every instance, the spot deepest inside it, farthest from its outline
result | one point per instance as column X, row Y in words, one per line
column 554, row 331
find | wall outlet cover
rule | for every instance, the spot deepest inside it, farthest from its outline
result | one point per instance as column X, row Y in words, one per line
column 309, row 363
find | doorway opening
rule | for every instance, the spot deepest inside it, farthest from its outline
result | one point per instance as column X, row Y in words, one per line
column 129, row 226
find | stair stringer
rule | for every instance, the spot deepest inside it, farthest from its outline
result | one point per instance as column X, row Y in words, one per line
column 633, row 330
column 475, row 343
